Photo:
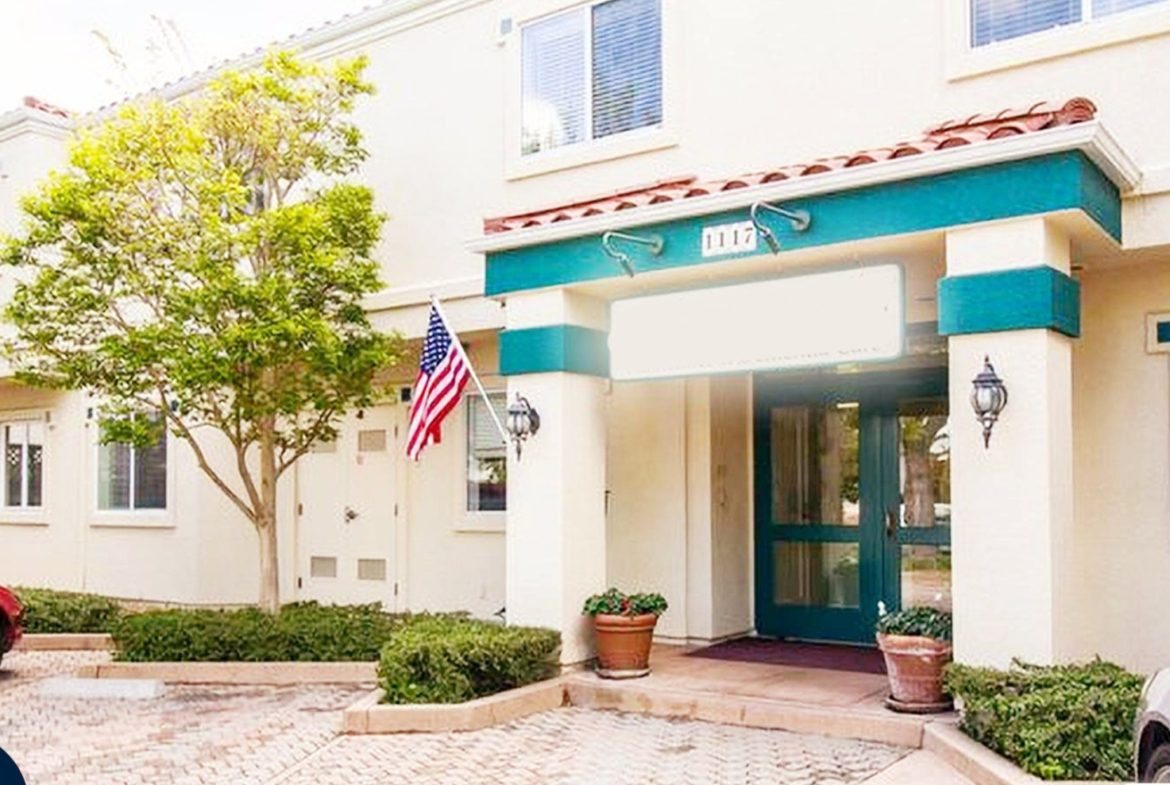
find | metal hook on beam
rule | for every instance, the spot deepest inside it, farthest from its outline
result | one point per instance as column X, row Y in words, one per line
column 652, row 242
column 800, row 220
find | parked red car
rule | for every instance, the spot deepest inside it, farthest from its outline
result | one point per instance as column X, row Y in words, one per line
column 10, row 611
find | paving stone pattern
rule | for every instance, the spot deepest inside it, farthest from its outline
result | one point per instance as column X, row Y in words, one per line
column 289, row 735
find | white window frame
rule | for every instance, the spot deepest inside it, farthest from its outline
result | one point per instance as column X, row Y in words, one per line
column 24, row 515
column 465, row 519
column 131, row 517
column 964, row 60
column 633, row 142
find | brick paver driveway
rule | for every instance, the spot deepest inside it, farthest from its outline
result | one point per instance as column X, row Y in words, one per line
column 261, row 735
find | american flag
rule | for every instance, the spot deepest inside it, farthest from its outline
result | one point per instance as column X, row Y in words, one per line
column 442, row 375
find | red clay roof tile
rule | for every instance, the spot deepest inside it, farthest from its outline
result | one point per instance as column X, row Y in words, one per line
column 952, row 133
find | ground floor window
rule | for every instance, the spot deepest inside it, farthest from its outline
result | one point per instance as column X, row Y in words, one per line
column 132, row 478
column 487, row 457
column 24, row 455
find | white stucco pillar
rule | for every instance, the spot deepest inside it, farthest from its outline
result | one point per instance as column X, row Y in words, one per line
column 553, row 354
column 1008, row 297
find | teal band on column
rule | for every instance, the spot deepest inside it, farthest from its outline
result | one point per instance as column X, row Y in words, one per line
column 1021, row 299
column 558, row 347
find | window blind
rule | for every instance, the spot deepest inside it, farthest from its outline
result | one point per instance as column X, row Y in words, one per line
column 555, row 81
column 1000, row 20
column 1107, row 7
column 627, row 66
column 591, row 72
column 484, row 436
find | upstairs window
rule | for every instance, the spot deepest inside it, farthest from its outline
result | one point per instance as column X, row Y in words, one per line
column 132, row 478
column 1001, row 20
column 590, row 73
column 24, row 455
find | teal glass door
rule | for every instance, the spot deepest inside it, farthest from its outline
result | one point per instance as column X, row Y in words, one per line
column 832, row 528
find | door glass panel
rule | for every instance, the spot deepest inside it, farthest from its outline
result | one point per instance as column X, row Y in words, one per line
column 925, row 484
column 926, row 576
column 824, row 574
column 925, row 465
column 815, row 465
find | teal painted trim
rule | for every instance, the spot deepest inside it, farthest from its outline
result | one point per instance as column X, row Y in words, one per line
column 924, row 535
column 1021, row 299
column 1033, row 186
column 1101, row 200
column 559, row 347
column 1163, row 332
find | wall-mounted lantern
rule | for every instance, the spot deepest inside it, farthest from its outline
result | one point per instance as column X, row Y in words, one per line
column 988, row 397
column 523, row 421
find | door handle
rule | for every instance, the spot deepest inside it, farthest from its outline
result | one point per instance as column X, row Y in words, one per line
column 350, row 514
column 892, row 521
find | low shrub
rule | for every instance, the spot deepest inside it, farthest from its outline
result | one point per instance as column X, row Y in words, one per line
column 48, row 610
column 1060, row 723
column 449, row 660
column 305, row 632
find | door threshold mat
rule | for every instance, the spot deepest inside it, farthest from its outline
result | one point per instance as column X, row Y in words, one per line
column 770, row 651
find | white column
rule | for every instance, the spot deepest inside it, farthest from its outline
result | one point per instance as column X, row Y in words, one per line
column 555, row 541
column 1011, row 501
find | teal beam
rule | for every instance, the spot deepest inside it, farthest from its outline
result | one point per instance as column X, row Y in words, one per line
column 559, row 347
column 1033, row 186
column 1021, row 299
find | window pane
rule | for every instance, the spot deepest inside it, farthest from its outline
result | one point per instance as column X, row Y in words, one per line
column 35, row 464
column 150, row 476
column 926, row 576
column 817, row 573
column 487, row 463
column 13, row 464
column 627, row 66
column 1107, row 7
column 554, row 72
column 814, row 465
column 114, row 476
column 925, row 465
column 999, row 20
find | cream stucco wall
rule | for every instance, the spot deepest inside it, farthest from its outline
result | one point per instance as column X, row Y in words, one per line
column 1121, row 455
column 679, row 490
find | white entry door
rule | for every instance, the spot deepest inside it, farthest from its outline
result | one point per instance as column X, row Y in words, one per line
column 346, row 525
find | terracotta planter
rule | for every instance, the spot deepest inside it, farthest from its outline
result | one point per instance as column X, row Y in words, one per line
column 915, row 668
column 623, row 644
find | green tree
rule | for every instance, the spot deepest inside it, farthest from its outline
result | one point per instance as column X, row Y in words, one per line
column 205, row 260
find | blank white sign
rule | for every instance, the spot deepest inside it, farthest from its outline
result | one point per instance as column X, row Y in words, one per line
column 804, row 321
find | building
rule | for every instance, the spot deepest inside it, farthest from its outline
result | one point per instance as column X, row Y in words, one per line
column 777, row 440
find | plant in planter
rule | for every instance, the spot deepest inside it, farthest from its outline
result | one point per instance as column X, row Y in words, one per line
column 624, row 628
column 916, row 643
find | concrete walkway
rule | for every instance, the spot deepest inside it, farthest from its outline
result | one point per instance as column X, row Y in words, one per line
column 267, row 735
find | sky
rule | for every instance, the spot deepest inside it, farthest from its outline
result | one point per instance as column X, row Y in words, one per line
column 81, row 54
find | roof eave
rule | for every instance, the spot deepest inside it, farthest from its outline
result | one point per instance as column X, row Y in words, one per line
column 1091, row 138
column 24, row 120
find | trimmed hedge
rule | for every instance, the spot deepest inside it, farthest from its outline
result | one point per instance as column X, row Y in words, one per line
column 1070, row 722
column 450, row 660
column 301, row 632
column 48, row 610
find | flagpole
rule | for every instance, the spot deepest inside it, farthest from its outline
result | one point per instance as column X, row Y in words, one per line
column 474, row 376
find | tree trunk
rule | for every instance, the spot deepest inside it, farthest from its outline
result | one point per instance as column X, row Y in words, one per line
column 266, row 520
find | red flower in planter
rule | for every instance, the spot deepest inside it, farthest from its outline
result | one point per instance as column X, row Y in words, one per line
column 625, row 605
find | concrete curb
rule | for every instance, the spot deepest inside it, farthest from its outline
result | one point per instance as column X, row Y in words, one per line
column 974, row 761
column 65, row 641
column 368, row 716
column 275, row 673
column 839, row 722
